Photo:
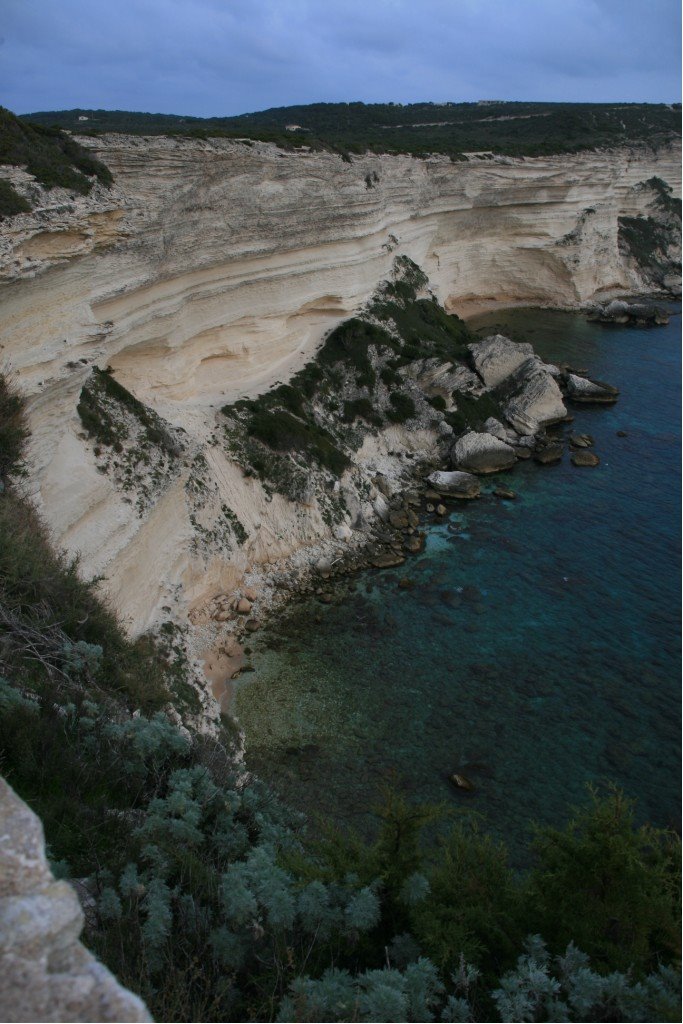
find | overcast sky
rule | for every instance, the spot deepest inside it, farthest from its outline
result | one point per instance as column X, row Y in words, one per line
column 213, row 57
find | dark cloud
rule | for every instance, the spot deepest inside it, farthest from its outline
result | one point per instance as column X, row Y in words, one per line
column 229, row 56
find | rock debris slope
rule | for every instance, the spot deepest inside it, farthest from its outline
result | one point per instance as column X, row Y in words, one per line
column 211, row 271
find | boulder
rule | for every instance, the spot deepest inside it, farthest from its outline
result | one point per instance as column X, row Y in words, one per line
column 399, row 520
column 495, row 427
column 581, row 441
column 584, row 458
column 582, row 389
column 243, row 606
column 387, row 559
column 461, row 782
column 496, row 358
column 456, row 484
column 465, row 381
column 482, row 453
column 533, row 398
column 551, row 453
column 504, row 492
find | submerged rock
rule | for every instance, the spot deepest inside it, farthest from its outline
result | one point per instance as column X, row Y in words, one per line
column 387, row 559
column 581, row 441
column 482, row 453
column 504, row 492
column 584, row 458
column 456, row 483
column 549, row 454
column 414, row 544
column 583, row 389
column 461, row 782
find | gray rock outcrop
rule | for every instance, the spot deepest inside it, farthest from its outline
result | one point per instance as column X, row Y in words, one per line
column 581, row 389
column 495, row 427
column 496, row 358
column 482, row 453
column 456, row 484
column 45, row 972
column 533, row 398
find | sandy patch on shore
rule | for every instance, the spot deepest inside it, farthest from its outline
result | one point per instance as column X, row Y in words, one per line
column 221, row 664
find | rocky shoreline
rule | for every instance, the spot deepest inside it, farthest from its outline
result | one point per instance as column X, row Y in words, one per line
column 533, row 396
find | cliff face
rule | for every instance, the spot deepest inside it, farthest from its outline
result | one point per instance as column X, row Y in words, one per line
column 212, row 270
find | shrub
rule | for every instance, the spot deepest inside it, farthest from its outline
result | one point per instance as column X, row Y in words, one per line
column 403, row 407
column 283, row 432
column 11, row 202
column 50, row 155
column 362, row 407
column 612, row 888
column 13, row 430
column 389, row 377
column 472, row 411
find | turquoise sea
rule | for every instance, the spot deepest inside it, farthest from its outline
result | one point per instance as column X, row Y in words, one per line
column 538, row 648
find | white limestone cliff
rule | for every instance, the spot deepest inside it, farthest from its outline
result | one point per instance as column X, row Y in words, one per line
column 213, row 269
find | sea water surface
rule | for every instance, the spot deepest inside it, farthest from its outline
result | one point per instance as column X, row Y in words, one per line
column 537, row 649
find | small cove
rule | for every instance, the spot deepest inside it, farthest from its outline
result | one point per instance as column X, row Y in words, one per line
column 537, row 648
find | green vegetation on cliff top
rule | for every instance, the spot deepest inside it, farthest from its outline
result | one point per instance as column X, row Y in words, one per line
column 50, row 155
column 516, row 129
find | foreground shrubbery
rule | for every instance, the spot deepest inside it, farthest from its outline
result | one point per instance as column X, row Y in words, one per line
column 214, row 902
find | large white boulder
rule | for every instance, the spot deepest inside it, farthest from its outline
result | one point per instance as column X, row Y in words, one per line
column 482, row 453
column 496, row 358
column 533, row 399
column 455, row 484
column 581, row 389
